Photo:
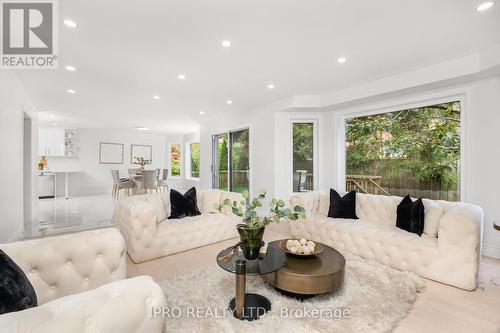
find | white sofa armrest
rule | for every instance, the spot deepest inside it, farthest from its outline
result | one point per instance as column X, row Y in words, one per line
column 125, row 306
column 136, row 220
column 459, row 242
column 68, row 264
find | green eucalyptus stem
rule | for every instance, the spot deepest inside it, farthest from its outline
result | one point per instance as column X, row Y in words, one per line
column 246, row 209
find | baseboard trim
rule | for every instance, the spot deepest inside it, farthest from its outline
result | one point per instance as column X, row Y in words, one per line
column 492, row 251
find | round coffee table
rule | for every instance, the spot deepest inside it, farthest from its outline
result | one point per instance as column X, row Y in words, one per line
column 496, row 225
column 249, row 306
column 308, row 276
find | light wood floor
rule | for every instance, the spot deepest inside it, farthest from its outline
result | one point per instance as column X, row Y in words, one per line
column 440, row 308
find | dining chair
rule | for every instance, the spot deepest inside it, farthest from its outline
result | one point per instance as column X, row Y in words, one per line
column 120, row 184
column 162, row 183
column 133, row 172
column 150, row 180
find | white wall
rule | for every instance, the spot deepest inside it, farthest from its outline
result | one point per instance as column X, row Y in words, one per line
column 483, row 156
column 13, row 102
column 96, row 177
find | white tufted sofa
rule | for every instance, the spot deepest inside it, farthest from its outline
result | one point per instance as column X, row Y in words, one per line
column 148, row 233
column 80, row 284
column 449, row 250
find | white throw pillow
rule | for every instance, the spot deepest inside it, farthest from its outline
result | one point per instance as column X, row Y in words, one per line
column 433, row 213
column 207, row 199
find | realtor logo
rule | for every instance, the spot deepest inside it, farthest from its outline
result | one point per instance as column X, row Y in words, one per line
column 29, row 34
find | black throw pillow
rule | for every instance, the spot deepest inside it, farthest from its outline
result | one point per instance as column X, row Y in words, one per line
column 16, row 291
column 183, row 205
column 342, row 207
column 411, row 215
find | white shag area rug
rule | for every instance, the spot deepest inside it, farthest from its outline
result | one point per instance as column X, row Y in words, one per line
column 374, row 298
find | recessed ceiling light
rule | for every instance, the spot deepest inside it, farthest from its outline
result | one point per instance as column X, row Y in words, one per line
column 70, row 68
column 341, row 60
column 70, row 23
column 202, row 112
column 484, row 6
column 181, row 76
column 226, row 43
column 142, row 128
column 229, row 102
column 71, row 91
column 270, row 86
column 156, row 97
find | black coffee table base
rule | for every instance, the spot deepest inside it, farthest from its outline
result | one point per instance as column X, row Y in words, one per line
column 255, row 307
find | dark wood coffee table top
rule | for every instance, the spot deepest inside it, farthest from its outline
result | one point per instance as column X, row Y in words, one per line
column 318, row 274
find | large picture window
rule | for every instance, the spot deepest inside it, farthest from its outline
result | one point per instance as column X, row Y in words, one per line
column 303, row 156
column 414, row 151
column 175, row 160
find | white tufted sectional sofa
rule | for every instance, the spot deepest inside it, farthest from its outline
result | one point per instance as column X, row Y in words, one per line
column 81, row 286
column 148, row 233
column 449, row 250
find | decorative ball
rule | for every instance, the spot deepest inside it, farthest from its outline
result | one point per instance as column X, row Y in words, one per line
column 289, row 244
column 294, row 249
column 311, row 244
column 303, row 241
column 306, row 249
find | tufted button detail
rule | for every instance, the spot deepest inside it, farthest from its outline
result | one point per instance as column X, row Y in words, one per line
column 68, row 262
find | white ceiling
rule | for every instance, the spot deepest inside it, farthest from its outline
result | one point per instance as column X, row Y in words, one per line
column 127, row 51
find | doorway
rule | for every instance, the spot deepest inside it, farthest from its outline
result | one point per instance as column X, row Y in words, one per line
column 27, row 169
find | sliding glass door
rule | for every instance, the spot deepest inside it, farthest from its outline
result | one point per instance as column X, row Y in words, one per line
column 231, row 161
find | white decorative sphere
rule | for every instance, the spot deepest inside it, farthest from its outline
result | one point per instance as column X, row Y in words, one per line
column 296, row 243
column 306, row 249
column 311, row 244
column 303, row 241
column 289, row 244
column 294, row 249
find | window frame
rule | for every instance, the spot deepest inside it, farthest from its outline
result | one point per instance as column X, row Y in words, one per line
column 412, row 102
column 170, row 160
column 188, row 166
column 313, row 121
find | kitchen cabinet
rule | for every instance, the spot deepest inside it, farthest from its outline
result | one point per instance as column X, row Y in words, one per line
column 51, row 142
